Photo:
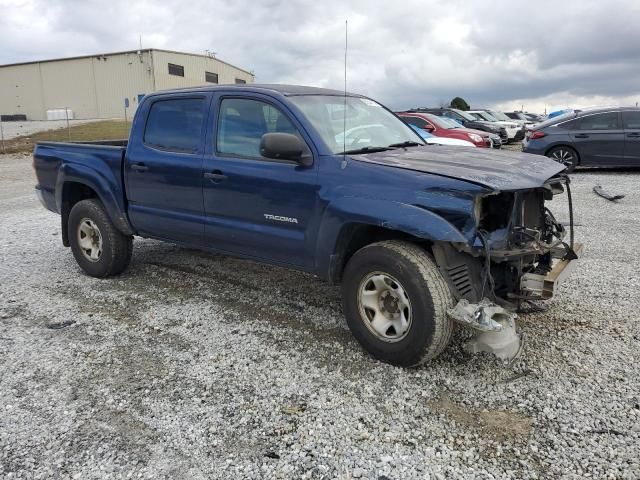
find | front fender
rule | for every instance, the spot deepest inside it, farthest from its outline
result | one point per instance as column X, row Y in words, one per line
column 104, row 187
column 410, row 219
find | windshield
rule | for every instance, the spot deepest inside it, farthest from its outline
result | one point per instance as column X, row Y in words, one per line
column 443, row 122
column 464, row 115
column 364, row 124
column 486, row 116
column 500, row 116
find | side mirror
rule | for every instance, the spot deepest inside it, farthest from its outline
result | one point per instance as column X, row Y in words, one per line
column 284, row 146
column 429, row 128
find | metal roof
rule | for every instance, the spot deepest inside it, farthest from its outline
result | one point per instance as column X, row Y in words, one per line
column 123, row 53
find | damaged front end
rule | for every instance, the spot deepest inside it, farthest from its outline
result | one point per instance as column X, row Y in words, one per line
column 519, row 254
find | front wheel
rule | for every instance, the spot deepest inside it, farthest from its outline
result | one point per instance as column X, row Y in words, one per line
column 395, row 302
column 98, row 246
column 564, row 155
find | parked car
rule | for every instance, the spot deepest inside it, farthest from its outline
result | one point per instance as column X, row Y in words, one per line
column 515, row 131
column 534, row 117
column 261, row 172
column 521, row 118
column 433, row 140
column 604, row 137
column 448, row 128
column 466, row 120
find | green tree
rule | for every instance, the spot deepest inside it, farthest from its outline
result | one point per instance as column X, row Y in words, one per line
column 460, row 104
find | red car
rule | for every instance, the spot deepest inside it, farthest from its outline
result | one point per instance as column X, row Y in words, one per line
column 446, row 127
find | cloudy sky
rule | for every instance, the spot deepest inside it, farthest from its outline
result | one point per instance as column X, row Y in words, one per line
column 403, row 53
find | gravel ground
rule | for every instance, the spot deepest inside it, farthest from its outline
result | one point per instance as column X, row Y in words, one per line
column 16, row 129
column 192, row 365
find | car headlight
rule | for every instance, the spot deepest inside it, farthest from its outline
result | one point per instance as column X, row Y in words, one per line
column 475, row 137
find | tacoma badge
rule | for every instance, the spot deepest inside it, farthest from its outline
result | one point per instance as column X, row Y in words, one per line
column 278, row 218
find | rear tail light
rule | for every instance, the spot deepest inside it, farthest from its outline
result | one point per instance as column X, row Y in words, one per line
column 536, row 134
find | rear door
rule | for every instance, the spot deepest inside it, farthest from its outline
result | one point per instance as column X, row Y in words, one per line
column 163, row 168
column 599, row 139
column 631, row 124
column 256, row 206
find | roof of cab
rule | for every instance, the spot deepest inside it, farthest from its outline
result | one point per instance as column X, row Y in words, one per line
column 286, row 90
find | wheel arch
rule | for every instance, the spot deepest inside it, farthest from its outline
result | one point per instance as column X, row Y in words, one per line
column 355, row 236
column 72, row 191
column 350, row 223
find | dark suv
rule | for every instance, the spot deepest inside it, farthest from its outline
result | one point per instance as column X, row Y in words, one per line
column 467, row 121
column 602, row 137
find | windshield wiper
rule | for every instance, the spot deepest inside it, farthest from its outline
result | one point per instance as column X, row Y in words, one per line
column 365, row 150
column 408, row 143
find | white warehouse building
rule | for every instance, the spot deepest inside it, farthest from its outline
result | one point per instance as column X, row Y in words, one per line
column 103, row 85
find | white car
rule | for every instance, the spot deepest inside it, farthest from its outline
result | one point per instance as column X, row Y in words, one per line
column 520, row 118
column 515, row 131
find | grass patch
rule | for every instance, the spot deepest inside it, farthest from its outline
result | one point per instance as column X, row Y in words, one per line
column 102, row 130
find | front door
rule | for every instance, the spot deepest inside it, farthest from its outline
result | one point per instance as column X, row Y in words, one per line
column 631, row 124
column 164, row 169
column 255, row 206
column 599, row 139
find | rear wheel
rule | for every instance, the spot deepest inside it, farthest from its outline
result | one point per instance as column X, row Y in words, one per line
column 395, row 302
column 564, row 155
column 98, row 246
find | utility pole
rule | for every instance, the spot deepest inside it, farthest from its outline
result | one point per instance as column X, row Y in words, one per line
column 2, row 134
column 66, row 115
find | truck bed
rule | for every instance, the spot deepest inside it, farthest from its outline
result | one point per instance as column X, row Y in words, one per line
column 55, row 161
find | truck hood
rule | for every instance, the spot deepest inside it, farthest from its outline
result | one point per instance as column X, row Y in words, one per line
column 497, row 170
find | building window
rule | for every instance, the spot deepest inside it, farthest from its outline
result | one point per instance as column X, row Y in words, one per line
column 177, row 70
column 210, row 77
column 240, row 81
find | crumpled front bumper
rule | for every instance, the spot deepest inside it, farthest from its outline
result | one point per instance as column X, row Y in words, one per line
column 545, row 286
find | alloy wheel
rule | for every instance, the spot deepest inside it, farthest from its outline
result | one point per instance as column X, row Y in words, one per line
column 564, row 156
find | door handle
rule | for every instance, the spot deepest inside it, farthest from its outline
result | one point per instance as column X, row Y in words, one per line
column 139, row 167
column 582, row 135
column 633, row 134
column 215, row 176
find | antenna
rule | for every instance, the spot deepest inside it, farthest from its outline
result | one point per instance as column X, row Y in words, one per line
column 140, row 36
column 344, row 113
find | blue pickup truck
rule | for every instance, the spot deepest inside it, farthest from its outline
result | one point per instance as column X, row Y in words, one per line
column 326, row 182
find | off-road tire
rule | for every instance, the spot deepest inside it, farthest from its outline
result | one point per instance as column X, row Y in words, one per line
column 430, row 328
column 557, row 152
column 116, row 246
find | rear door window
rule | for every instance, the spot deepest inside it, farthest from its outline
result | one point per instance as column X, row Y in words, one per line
column 631, row 120
column 600, row 121
column 418, row 122
column 175, row 125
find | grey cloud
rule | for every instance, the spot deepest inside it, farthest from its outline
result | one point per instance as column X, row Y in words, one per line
column 402, row 53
